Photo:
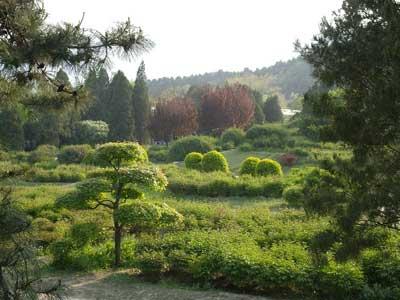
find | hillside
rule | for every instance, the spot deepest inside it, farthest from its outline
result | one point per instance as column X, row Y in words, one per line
column 288, row 79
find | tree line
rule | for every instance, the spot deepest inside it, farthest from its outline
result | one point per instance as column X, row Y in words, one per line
column 117, row 110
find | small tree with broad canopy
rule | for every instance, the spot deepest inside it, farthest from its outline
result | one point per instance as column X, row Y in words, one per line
column 126, row 172
column 173, row 119
column 224, row 107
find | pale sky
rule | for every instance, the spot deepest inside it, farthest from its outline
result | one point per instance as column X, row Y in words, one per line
column 198, row 36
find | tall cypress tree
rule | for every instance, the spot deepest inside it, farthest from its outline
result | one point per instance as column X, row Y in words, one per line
column 121, row 115
column 259, row 116
column 97, row 83
column 141, row 105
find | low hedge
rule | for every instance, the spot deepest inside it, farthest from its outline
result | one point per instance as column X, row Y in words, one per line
column 62, row 173
column 233, row 259
column 220, row 184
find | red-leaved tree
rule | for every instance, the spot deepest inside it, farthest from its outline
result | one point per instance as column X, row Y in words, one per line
column 224, row 107
column 174, row 118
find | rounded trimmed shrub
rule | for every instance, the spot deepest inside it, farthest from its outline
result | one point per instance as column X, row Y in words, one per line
column 73, row 154
column 194, row 161
column 215, row 161
column 267, row 167
column 182, row 147
column 249, row 165
column 120, row 154
column 233, row 135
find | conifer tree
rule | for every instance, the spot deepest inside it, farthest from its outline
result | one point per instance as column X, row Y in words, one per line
column 121, row 120
column 141, row 105
column 97, row 83
column 259, row 116
column 30, row 49
column 272, row 110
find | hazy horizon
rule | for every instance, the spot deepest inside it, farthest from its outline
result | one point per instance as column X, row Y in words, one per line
column 196, row 38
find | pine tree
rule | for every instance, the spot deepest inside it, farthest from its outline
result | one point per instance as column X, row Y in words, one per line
column 272, row 110
column 121, row 120
column 29, row 49
column 141, row 106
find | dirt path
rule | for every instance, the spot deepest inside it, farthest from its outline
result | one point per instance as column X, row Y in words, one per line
column 107, row 286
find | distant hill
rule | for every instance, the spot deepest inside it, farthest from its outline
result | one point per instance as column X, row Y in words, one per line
column 287, row 79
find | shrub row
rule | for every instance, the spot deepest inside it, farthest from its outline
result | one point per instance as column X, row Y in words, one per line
column 256, row 167
column 234, row 260
column 61, row 173
column 212, row 161
column 220, row 184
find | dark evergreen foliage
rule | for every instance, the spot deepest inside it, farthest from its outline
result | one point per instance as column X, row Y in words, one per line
column 141, row 106
column 359, row 53
column 272, row 110
column 120, row 109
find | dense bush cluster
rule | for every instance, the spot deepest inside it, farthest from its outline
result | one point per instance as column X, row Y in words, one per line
column 269, row 136
column 233, row 247
column 182, row 147
column 43, row 153
column 235, row 136
column 73, row 154
column 260, row 167
column 221, row 184
column 212, row 161
column 158, row 154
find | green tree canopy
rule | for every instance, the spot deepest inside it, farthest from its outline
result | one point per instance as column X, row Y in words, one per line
column 125, row 175
column 358, row 52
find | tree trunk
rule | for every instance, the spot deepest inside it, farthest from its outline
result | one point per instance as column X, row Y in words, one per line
column 117, row 244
